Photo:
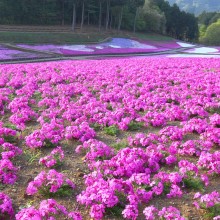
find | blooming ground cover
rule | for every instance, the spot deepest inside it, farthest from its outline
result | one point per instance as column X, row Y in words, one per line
column 110, row 139
column 207, row 50
column 115, row 45
column 13, row 54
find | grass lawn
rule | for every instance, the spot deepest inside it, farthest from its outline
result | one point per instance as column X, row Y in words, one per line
column 69, row 37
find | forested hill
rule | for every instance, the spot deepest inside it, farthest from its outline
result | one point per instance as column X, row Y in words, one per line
column 133, row 15
column 197, row 6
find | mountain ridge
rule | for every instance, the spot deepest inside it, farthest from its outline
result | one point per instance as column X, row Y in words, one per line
column 197, row 6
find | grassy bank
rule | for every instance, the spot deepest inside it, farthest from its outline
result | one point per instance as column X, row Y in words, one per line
column 51, row 37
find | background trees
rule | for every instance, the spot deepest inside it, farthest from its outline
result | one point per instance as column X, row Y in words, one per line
column 141, row 15
column 212, row 33
column 209, row 27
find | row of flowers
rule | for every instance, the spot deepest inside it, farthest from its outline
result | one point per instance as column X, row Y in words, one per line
column 16, row 54
column 114, row 45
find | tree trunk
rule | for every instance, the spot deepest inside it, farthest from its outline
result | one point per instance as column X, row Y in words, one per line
column 100, row 14
column 120, row 19
column 88, row 18
column 110, row 25
column 82, row 19
column 107, row 14
column 63, row 4
column 74, row 16
column 43, row 18
column 135, row 20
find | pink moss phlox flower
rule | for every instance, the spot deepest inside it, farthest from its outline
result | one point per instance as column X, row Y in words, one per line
column 10, row 147
column 205, row 179
column 50, row 206
column 210, row 162
column 28, row 214
column 97, row 211
column 173, row 133
column 170, row 213
column 75, row 216
column 7, row 172
column 6, row 205
column 158, row 188
column 195, row 125
column 170, row 160
column 128, row 161
column 100, row 192
column 56, row 155
column 82, row 132
column 52, row 179
column 211, row 134
column 150, row 212
column 185, row 166
column 175, row 191
column 140, row 178
column 48, row 209
column 215, row 120
column 130, row 212
column 207, row 200
column 210, row 199
column 95, row 150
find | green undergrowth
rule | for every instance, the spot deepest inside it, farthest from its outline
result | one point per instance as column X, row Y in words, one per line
column 193, row 182
column 111, row 130
column 10, row 125
column 212, row 211
column 63, row 191
column 9, row 138
column 32, row 155
column 134, row 125
column 120, row 145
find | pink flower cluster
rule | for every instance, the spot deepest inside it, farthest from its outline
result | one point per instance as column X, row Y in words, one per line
column 48, row 209
column 210, row 161
column 95, row 151
column 50, row 132
column 21, row 112
column 82, row 132
column 52, row 181
column 207, row 200
column 55, row 157
column 8, row 152
column 170, row 212
column 6, row 208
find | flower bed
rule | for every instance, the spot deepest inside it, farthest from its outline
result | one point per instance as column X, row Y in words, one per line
column 140, row 138
column 12, row 54
column 114, row 46
column 206, row 50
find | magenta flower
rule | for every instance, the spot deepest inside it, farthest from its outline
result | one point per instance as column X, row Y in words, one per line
column 97, row 211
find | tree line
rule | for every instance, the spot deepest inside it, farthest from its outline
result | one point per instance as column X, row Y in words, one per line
column 133, row 15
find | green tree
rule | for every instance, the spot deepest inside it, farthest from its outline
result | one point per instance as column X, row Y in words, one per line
column 212, row 34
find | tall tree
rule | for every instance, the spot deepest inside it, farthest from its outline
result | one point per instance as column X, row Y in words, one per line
column 136, row 4
column 82, row 16
column 100, row 14
column 108, row 5
column 74, row 15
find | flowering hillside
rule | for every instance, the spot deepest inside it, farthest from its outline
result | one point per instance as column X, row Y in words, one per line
column 110, row 139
